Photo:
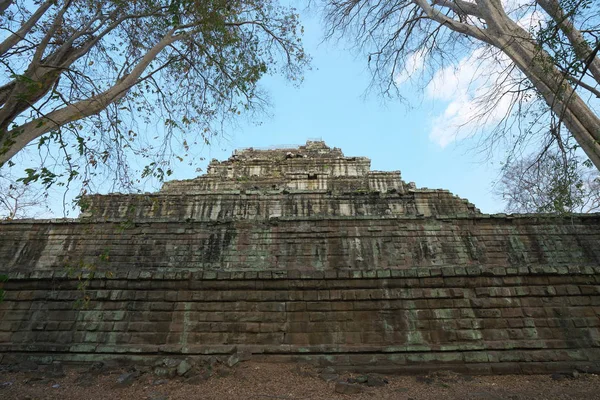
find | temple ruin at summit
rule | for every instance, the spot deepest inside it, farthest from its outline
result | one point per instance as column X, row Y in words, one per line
column 303, row 254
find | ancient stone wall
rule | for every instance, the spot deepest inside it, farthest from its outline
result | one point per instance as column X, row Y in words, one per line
column 234, row 205
column 360, row 270
column 471, row 319
column 302, row 243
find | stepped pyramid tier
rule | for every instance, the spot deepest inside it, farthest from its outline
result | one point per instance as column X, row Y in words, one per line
column 313, row 180
column 297, row 208
column 313, row 167
column 303, row 254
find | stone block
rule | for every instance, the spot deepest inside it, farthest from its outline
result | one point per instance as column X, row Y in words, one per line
column 449, row 287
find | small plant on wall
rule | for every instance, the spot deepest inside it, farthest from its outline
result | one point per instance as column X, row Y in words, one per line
column 85, row 272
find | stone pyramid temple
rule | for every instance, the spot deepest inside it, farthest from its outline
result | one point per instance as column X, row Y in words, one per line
column 303, row 254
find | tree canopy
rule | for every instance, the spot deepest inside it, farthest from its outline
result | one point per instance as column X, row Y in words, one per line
column 551, row 184
column 85, row 76
column 545, row 53
column 18, row 200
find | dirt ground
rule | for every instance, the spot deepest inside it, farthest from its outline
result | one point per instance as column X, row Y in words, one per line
column 263, row 381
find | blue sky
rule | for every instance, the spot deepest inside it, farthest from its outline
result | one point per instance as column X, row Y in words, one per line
column 419, row 137
column 331, row 105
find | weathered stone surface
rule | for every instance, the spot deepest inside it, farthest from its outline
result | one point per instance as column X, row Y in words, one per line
column 376, row 381
column 127, row 378
column 359, row 379
column 169, row 363
column 184, row 367
column 164, row 372
column 232, row 360
column 302, row 254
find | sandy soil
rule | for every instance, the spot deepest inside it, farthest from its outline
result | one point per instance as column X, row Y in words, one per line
column 263, row 381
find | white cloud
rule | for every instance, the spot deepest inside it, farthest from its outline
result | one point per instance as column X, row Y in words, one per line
column 469, row 88
column 475, row 90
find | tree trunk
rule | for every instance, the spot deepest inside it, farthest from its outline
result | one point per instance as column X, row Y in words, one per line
column 24, row 95
column 536, row 64
column 578, row 118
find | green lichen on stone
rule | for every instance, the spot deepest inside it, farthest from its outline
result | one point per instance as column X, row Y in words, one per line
column 443, row 313
column 414, row 337
column 476, row 357
column 187, row 326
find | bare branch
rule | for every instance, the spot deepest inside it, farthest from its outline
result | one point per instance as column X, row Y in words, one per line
column 456, row 26
column 16, row 37
column 580, row 46
column 595, row 91
column 28, row 132
column 41, row 48
column 459, row 7
column 401, row 38
column 4, row 4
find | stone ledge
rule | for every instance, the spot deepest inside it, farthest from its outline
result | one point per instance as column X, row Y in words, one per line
column 467, row 352
column 379, row 363
column 165, row 273
column 171, row 220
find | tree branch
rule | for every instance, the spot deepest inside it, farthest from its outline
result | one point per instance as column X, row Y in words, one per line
column 459, row 7
column 19, row 137
column 584, row 85
column 456, row 26
column 581, row 47
column 16, row 37
column 39, row 52
column 4, row 4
